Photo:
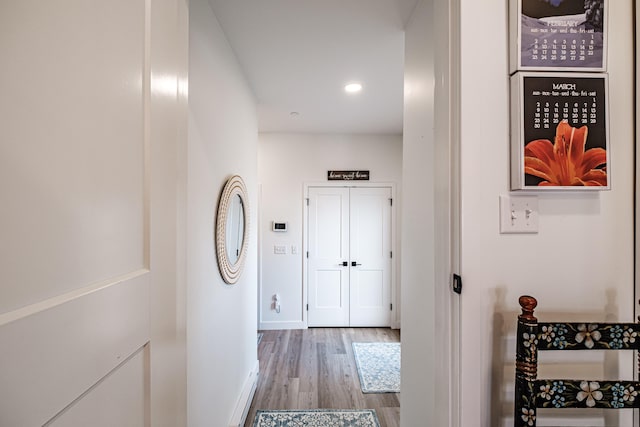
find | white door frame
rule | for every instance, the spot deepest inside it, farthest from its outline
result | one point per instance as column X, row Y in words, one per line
column 447, row 108
column 395, row 313
column 637, row 201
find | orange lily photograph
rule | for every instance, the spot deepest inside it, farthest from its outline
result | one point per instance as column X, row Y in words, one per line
column 559, row 128
column 566, row 162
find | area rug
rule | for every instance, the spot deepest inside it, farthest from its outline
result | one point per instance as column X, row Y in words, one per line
column 378, row 366
column 317, row 418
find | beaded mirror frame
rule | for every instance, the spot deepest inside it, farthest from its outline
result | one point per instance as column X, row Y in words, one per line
column 231, row 271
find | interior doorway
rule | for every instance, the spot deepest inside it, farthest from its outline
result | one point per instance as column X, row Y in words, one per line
column 349, row 254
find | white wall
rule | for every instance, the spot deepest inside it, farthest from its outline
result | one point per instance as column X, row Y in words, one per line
column 285, row 163
column 168, row 121
column 417, row 405
column 580, row 262
column 430, row 232
column 221, row 319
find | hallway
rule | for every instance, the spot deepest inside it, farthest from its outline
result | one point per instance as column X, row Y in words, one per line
column 315, row 368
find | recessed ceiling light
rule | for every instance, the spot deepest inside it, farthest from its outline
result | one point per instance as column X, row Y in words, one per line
column 353, row 88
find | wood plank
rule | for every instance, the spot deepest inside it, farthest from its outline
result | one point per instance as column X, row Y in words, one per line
column 315, row 369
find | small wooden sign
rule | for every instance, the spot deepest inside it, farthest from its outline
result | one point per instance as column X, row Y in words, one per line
column 348, row 175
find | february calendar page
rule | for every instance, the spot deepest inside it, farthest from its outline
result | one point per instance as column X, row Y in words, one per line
column 559, row 131
column 558, row 35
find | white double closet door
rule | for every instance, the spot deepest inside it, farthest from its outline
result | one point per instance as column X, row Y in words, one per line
column 349, row 256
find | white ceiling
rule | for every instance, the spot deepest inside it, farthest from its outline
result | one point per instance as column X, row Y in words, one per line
column 298, row 54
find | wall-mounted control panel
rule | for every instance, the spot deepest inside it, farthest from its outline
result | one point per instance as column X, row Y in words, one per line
column 279, row 226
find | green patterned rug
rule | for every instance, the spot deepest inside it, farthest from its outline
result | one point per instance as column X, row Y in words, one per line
column 317, row 418
column 378, row 366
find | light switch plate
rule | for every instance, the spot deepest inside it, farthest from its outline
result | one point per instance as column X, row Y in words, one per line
column 518, row 214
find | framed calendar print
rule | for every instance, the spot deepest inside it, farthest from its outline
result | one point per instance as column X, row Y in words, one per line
column 558, row 35
column 559, row 131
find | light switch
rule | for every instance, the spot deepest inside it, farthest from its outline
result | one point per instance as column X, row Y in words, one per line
column 279, row 249
column 518, row 214
column 294, row 250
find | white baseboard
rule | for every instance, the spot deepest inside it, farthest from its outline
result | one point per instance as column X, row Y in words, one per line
column 272, row 326
column 246, row 397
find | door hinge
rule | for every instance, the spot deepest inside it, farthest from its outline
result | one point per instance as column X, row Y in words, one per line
column 457, row 284
column 391, row 254
column 307, row 254
column 307, row 307
column 307, row 201
column 391, row 202
column 391, row 307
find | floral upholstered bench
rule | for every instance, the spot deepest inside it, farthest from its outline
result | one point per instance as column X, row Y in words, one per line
column 532, row 393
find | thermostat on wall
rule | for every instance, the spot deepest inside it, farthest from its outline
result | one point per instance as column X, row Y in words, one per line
column 279, row 226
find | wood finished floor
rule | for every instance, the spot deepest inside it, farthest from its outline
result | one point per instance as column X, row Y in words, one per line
column 315, row 369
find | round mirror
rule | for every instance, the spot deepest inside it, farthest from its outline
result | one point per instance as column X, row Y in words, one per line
column 235, row 229
column 232, row 224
